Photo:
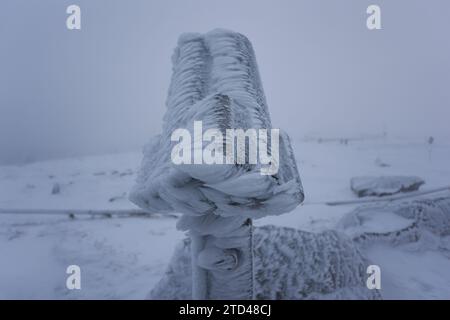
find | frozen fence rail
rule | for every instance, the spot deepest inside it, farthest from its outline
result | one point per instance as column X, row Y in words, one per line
column 93, row 212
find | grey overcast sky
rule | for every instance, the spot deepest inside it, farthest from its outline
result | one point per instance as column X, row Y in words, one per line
column 103, row 89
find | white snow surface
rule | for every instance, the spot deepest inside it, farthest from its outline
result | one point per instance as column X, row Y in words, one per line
column 125, row 258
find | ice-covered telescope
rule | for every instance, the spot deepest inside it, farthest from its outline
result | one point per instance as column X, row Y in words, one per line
column 216, row 85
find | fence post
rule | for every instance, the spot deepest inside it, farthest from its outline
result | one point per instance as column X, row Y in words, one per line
column 216, row 80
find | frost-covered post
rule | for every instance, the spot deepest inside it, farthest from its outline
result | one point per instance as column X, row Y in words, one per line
column 216, row 89
column 430, row 146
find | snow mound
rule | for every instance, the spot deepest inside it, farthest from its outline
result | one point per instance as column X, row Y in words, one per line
column 398, row 223
column 288, row 264
column 384, row 185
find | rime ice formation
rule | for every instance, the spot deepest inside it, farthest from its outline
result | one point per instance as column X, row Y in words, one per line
column 289, row 264
column 215, row 80
column 398, row 223
column 292, row 264
column 384, row 185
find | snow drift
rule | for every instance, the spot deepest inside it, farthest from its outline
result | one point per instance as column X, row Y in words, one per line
column 384, row 185
column 398, row 222
column 289, row 264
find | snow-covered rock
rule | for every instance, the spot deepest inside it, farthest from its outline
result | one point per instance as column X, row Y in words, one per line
column 288, row 264
column 398, row 223
column 384, row 185
column 409, row 241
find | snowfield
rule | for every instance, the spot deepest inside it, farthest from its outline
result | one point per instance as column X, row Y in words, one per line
column 125, row 257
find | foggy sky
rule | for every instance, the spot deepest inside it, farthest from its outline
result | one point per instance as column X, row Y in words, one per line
column 103, row 89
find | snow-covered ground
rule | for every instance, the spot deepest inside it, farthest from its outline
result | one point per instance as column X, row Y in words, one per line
column 124, row 257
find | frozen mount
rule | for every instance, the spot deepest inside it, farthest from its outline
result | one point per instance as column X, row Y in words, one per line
column 289, row 264
column 216, row 80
